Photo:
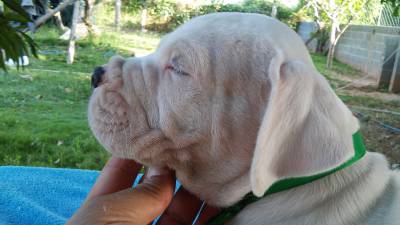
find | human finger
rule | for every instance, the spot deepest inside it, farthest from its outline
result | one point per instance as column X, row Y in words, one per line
column 117, row 174
column 137, row 206
column 207, row 214
column 182, row 210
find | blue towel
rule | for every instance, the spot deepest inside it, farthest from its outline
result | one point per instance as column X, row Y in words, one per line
column 42, row 196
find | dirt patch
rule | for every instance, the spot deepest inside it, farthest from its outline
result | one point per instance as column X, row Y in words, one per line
column 360, row 91
column 378, row 138
column 378, row 112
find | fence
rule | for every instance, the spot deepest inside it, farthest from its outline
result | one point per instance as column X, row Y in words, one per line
column 386, row 17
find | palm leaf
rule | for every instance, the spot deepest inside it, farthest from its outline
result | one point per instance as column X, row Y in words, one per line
column 14, row 17
column 31, row 43
column 14, row 6
column 13, row 42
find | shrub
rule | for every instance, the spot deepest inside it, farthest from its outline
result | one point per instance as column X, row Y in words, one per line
column 166, row 15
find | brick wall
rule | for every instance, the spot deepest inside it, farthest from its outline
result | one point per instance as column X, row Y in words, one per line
column 367, row 47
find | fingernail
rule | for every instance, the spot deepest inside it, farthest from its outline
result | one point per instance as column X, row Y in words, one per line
column 157, row 171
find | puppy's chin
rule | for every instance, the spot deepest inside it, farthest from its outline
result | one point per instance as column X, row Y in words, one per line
column 123, row 129
column 109, row 120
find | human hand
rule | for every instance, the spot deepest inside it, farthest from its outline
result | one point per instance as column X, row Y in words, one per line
column 112, row 200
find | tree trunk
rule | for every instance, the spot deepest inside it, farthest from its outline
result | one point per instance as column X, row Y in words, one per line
column 331, row 55
column 51, row 12
column 143, row 20
column 332, row 47
column 274, row 9
column 117, row 14
column 332, row 39
column 59, row 23
column 87, row 13
column 72, row 37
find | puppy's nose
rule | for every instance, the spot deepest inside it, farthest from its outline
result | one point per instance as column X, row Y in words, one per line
column 97, row 75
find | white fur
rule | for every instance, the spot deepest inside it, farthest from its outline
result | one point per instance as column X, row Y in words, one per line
column 306, row 129
column 251, row 110
column 344, row 198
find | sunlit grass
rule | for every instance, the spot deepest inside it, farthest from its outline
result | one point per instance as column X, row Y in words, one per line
column 43, row 120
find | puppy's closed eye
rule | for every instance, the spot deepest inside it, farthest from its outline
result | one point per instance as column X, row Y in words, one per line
column 176, row 69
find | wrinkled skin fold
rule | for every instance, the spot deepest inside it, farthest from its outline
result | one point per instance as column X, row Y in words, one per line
column 233, row 103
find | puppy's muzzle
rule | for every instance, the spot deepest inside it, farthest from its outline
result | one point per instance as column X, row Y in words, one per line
column 97, row 76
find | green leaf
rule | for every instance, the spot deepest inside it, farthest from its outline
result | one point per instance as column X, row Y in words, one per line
column 13, row 41
column 15, row 6
column 31, row 43
column 6, row 44
column 2, row 63
column 396, row 10
column 15, row 17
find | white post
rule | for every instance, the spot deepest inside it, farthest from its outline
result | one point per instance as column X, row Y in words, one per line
column 143, row 20
column 117, row 14
column 72, row 37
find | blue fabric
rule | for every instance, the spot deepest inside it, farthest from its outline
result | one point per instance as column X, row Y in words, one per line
column 43, row 196
column 34, row 195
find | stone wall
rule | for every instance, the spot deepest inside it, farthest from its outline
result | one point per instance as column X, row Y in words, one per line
column 367, row 47
column 305, row 30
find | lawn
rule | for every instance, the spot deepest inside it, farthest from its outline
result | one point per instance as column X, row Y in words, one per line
column 43, row 107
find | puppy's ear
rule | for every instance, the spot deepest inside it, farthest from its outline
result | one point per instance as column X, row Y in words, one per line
column 116, row 61
column 306, row 128
column 114, row 66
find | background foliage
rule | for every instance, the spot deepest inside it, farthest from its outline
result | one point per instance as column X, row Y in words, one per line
column 166, row 15
column 395, row 4
column 13, row 40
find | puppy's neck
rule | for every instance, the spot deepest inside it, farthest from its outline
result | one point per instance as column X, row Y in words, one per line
column 340, row 198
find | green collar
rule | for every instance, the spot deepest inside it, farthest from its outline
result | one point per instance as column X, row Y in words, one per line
column 288, row 183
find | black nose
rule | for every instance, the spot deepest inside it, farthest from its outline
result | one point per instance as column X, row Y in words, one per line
column 96, row 76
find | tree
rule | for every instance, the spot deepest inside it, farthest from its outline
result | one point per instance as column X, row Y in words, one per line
column 14, row 43
column 395, row 4
column 309, row 11
column 274, row 10
column 87, row 13
column 340, row 14
column 52, row 12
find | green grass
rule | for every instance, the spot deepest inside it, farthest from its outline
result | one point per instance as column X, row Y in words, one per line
column 43, row 119
column 91, row 51
column 332, row 74
column 43, row 107
column 376, row 137
column 337, row 68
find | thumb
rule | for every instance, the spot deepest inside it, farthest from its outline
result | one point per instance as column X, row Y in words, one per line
column 138, row 206
column 150, row 198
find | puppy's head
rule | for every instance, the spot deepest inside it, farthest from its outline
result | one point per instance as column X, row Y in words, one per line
column 230, row 101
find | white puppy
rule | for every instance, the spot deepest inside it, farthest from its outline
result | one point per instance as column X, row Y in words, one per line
column 233, row 103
